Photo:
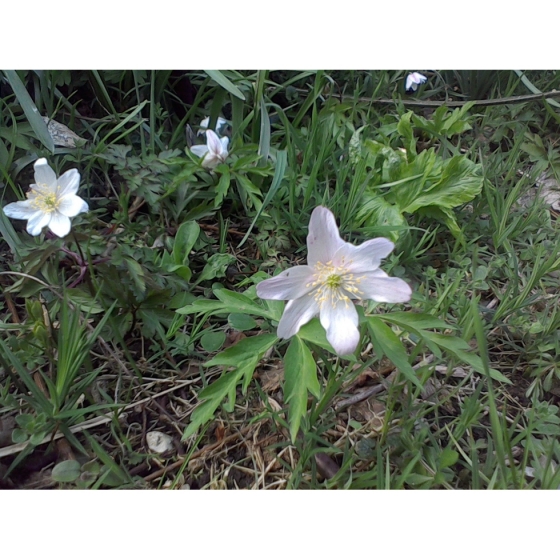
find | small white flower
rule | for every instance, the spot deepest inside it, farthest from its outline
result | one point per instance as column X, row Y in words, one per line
column 215, row 151
column 206, row 121
column 414, row 80
column 337, row 273
column 51, row 201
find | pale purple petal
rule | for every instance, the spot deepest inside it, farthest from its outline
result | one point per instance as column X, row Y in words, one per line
column 59, row 224
column 72, row 205
column 69, row 182
column 22, row 210
column 387, row 290
column 199, row 150
column 323, row 239
column 213, row 142
column 290, row 284
column 44, row 175
column 364, row 257
column 37, row 222
column 296, row 313
column 341, row 324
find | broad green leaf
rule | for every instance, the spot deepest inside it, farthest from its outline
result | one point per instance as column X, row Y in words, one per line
column 245, row 349
column 221, row 80
column 31, row 112
column 375, row 211
column 241, row 322
column 212, row 341
column 459, row 181
column 300, row 372
column 386, row 342
column 185, row 238
column 66, row 471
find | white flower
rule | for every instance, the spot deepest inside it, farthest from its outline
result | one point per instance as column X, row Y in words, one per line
column 414, row 80
column 50, row 202
column 337, row 273
column 206, row 121
column 215, row 151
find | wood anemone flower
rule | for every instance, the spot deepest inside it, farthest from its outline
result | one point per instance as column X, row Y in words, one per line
column 215, row 151
column 336, row 274
column 51, row 201
column 414, row 80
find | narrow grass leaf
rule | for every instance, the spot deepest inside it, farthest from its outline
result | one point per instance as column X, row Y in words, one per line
column 31, row 112
column 221, row 80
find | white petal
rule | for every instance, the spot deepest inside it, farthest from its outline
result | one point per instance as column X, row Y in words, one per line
column 69, row 182
column 37, row 222
column 44, row 175
column 364, row 257
column 341, row 323
column 296, row 313
column 72, row 205
column 204, row 123
column 199, row 150
column 213, row 142
column 387, row 290
column 21, row 210
column 323, row 239
column 59, row 224
column 290, row 284
column 221, row 123
column 211, row 160
column 224, row 142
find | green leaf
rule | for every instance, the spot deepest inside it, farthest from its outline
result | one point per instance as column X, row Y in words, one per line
column 375, row 211
column 240, row 303
column 214, row 394
column 221, row 80
column 66, row 471
column 241, row 322
column 222, row 187
column 386, row 342
column 31, row 112
column 459, row 348
column 448, row 458
column 300, row 372
column 202, row 306
column 459, row 182
column 185, row 238
column 212, row 341
column 415, row 322
column 216, row 267
column 245, row 349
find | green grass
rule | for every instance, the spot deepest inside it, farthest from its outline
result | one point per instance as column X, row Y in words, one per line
column 146, row 317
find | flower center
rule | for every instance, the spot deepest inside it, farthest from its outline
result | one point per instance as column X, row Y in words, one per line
column 333, row 284
column 44, row 198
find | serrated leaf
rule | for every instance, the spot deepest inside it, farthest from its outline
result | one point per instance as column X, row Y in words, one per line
column 216, row 267
column 300, row 374
column 245, row 349
column 386, row 342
